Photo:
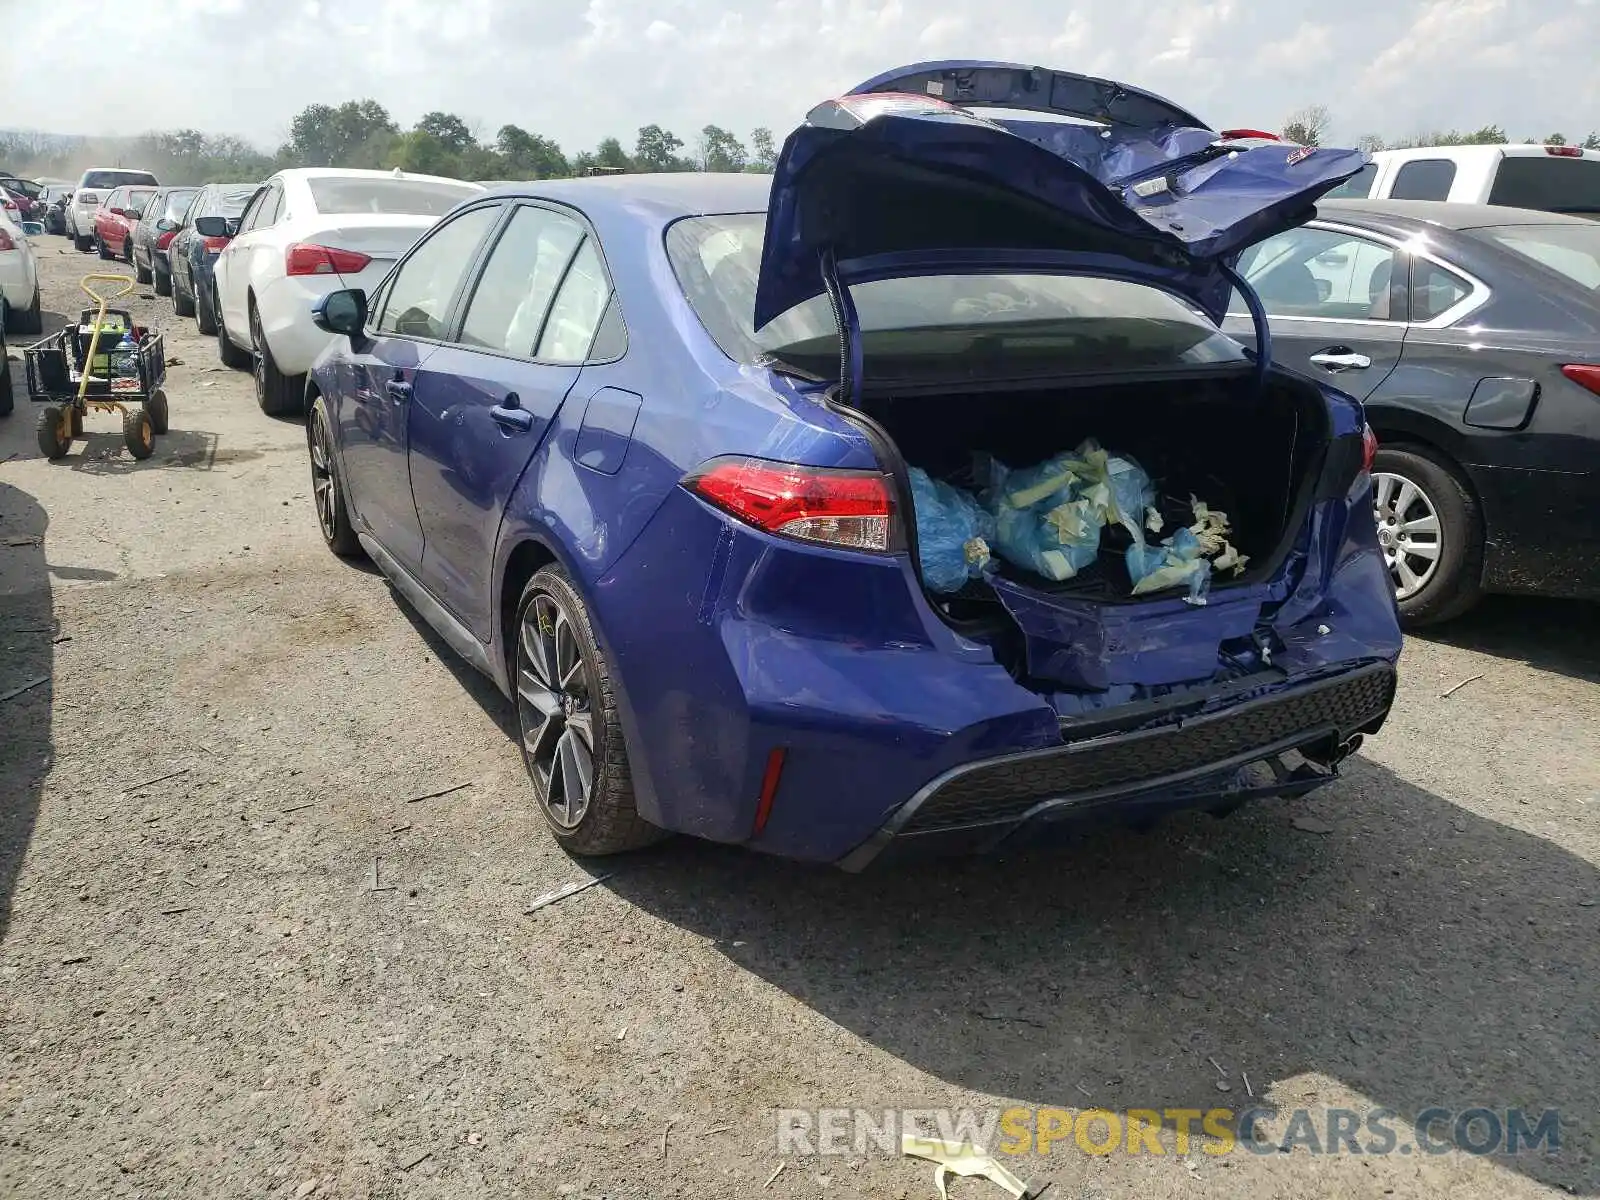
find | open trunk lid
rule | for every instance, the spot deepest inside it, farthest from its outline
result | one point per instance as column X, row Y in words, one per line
column 901, row 177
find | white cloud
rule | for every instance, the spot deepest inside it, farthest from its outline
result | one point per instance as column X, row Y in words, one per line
column 580, row 70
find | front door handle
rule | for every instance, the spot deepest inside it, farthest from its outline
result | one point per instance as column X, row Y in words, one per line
column 399, row 390
column 511, row 416
column 1340, row 358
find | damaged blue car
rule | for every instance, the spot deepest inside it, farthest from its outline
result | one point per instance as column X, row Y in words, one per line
column 643, row 449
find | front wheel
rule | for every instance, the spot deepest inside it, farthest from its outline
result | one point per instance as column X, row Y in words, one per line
column 138, row 432
column 54, row 441
column 230, row 354
column 278, row 394
column 196, row 304
column 1431, row 534
column 156, row 406
column 572, row 739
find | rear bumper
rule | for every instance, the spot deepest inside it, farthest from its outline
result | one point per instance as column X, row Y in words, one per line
column 1209, row 761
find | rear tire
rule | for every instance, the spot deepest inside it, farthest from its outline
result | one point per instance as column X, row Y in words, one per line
column 140, row 275
column 27, row 320
column 51, row 444
column 156, row 406
column 277, row 394
column 230, row 354
column 83, row 244
column 196, row 304
column 327, row 493
column 137, row 433
column 127, row 257
column 8, row 398
column 1455, row 583
column 572, row 739
column 101, row 248
column 163, row 282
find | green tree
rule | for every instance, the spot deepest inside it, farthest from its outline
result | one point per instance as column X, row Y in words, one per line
column 720, row 150
column 424, row 153
column 610, row 155
column 527, row 155
column 449, row 130
column 1556, row 139
column 656, row 149
column 763, row 153
column 1592, row 142
column 1370, row 142
column 356, row 134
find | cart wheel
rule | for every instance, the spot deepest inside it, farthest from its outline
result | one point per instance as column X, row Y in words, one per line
column 51, row 444
column 136, row 432
column 156, row 406
column 77, row 421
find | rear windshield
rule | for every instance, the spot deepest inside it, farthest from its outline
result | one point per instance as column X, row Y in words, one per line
column 1570, row 250
column 177, row 203
column 106, row 180
column 928, row 326
column 1549, row 184
column 405, row 197
column 1358, row 186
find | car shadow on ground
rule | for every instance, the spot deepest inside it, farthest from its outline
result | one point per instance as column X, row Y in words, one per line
column 1420, row 955
column 27, row 639
column 1554, row 635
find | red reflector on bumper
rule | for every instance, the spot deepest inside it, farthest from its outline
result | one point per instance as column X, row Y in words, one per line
column 769, row 787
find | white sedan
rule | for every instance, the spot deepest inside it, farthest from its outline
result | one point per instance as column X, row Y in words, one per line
column 308, row 232
column 19, row 279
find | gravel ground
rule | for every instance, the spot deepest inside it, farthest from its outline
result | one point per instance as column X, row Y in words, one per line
column 205, row 994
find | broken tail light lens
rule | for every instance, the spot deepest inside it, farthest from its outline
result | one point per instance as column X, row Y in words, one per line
column 1369, row 448
column 852, row 510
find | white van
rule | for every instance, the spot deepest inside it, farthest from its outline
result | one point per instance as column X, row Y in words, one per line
column 1549, row 178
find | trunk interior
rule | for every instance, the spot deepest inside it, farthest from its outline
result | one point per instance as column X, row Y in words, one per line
column 1244, row 449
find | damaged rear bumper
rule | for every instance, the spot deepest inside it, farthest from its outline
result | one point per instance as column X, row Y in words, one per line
column 1209, row 761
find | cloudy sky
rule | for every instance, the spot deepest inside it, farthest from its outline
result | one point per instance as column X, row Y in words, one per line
column 578, row 70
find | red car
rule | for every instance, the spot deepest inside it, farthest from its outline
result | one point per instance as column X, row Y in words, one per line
column 115, row 219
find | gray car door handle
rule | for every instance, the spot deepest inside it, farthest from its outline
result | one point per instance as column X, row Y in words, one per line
column 1341, row 359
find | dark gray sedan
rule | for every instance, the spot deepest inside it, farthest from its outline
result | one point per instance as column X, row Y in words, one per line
column 158, row 222
column 1472, row 333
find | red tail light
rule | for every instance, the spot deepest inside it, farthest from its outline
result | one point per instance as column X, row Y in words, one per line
column 215, row 245
column 1369, row 448
column 5, row 241
column 1565, row 151
column 850, row 509
column 164, row 240
column 305, row 259
column 1584, row 376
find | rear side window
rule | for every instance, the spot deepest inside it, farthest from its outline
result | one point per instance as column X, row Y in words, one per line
column 177, row 204
column 1571, row 250
column 403, row 197
column 575, row 316
column 228, row 203
column 1435, row 290
column 1549, row 184
column 1358, row 186
column 508, row 307
column 1424, row 179
column 419, row 298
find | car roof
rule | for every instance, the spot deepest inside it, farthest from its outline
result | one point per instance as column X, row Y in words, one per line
column 1479, row 150
column 1411, row 213
column 354, row 173
column 665, row 196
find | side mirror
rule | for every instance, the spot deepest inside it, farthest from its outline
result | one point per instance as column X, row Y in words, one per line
column 119, row 212
column 166, row 226
column 213, row 227
column 342, row 312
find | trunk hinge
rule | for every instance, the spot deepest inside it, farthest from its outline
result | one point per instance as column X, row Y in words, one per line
column 844, row 314
column 1258, row 316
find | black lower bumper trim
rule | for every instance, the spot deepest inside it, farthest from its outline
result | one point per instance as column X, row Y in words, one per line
column 996, row 795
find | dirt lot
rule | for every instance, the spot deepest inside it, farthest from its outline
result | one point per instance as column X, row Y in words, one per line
column 205, row 995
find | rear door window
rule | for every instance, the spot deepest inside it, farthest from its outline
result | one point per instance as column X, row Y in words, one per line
column 425, row 285
column 508, row 307
column 1548, row 183
column 1435, row 290
column 1324, row 274
column 1424, row 179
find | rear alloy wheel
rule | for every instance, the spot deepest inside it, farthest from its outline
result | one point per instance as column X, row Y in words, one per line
column 572, row 740
column 277, row 394
column 333, row 515
column 1430, row 534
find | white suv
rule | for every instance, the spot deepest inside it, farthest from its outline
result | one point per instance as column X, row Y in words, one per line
column 1549, row 178
column 98, row 183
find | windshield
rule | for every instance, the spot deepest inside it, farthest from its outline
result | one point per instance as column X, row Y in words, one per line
column 930, row 325
column 1570, row 250
column 1550, row 184
column 404, row 197
column 105, row 180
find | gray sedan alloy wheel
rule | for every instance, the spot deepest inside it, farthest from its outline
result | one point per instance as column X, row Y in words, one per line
column 1408, row 532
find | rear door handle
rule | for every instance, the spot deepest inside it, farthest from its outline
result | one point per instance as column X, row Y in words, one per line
column 511, row 417
column 1339, row 358
column 399, row 390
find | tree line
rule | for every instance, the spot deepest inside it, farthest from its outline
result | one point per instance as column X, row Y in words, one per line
column 361, row 133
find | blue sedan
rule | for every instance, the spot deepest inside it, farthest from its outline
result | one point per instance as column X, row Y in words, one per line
column 653, row 452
